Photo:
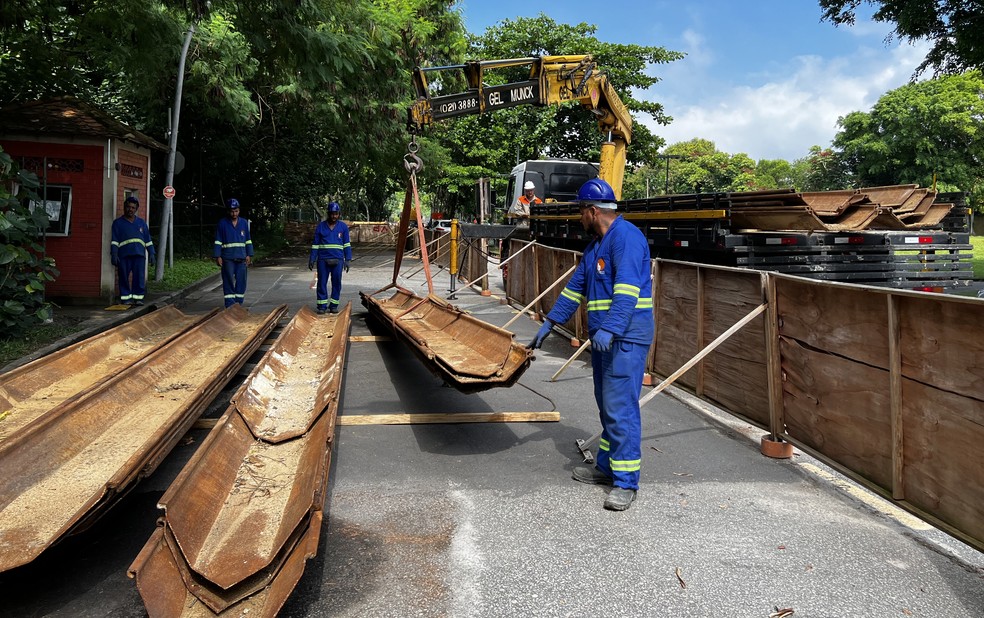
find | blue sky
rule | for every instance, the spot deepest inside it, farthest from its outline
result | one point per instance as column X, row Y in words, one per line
column 766, row 78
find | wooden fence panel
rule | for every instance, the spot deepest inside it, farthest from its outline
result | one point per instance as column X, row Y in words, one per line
column 943, row 408
column 676, row 321
column 735, row 375
column 836, row 318
column 943, row 462
column 839, row 408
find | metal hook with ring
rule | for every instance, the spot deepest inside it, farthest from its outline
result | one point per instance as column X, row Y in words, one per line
column 412, row 163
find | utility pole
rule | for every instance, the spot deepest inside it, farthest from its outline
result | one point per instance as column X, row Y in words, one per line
column 166, row 213
column 667, row 157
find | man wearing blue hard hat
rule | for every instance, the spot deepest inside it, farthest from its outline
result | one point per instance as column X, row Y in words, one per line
column 331, row 251
column 614, row 277
column 233, row 253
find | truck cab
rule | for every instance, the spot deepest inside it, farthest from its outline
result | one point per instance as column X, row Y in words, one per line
column 556, row 180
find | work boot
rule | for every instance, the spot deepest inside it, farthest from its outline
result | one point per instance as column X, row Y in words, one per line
column 333, row 309
column 619, row 499
column 591, row 476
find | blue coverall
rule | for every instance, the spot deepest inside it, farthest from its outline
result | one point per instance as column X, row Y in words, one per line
column 331, row 248
column 233, row 244
column 130, row 245
column 614, row 274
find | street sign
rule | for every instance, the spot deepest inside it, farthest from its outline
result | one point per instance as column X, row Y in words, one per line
column 168, row 192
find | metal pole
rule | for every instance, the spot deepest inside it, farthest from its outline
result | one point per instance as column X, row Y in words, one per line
column 172, row 148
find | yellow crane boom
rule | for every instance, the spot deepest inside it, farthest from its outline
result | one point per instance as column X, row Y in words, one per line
column 552, row 80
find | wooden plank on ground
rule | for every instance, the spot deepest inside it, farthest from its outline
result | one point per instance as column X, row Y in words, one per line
column 448, row 418
column 369, row 338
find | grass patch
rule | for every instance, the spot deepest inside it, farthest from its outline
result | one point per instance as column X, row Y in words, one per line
column 186, row 271
column 36, row 338
column 978, row 243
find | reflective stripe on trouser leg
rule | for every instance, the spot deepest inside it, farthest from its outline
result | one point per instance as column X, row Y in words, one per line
column 336, row 284
column 125, row 269
column 240, row 282
column 229, row 281
column 618, row 382
column 321, row 290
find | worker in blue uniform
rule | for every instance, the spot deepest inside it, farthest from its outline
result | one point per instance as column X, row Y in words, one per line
column 331, row 252
column 130, row 247
column 615, row 278
column 233, row 252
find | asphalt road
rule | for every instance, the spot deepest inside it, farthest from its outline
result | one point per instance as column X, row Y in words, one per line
column 476, row 520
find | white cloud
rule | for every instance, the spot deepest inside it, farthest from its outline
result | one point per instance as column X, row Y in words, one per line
column 781, row 117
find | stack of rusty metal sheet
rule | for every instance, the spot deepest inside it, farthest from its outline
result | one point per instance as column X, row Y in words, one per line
column 895, row 207
column 245, row 513
column 76, row 458
column 468, row 354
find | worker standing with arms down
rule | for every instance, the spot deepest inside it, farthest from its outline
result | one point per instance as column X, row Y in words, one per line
column 614, row 275
column 129, row 247
column 331, row 251
column 233, row 253
column 519, row 212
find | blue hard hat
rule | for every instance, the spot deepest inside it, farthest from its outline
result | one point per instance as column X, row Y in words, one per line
column 598, row 192
column 334, row 207
column 232, row 203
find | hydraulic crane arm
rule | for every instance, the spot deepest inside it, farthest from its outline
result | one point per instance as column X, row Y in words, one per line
column 553, row 80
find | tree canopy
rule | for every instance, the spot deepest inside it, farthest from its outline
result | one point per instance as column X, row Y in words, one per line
column 954, row 27
column 284, row 102
column 925, row 132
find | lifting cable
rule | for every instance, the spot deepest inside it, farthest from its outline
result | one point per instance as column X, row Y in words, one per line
column 412, row 163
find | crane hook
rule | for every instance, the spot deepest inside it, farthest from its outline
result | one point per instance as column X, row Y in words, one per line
column 412, row 163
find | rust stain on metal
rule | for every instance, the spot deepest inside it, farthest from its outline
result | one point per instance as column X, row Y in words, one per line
column 467, row 353
column 77, row 464
column 39, row 387
column 895, row 207
column 245, row 513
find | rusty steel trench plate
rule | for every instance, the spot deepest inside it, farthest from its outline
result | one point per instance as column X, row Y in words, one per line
column 245, row 513
column 71, row 469
column 34, row 390
column 467, row 353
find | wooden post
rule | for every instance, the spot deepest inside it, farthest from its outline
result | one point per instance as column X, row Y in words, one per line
column 895, row 393
column 701, row 307
column 772, row 358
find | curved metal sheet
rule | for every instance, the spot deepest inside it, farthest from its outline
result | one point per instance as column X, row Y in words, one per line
column 240, row 518
column 298, row 377
column 33, row 390
column 76, row 465
column 467, row 353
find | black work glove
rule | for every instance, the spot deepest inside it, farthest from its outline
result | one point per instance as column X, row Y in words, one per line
column 345, row 266
column 311, row 265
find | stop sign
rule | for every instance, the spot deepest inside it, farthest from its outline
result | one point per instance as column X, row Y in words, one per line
column 169, row 192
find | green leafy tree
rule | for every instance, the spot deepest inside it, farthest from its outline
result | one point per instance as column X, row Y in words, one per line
column 698, row 166
column 24, row 270
column 825, row 169
column 283, row 102
column 955, row 28
column 926, row 132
